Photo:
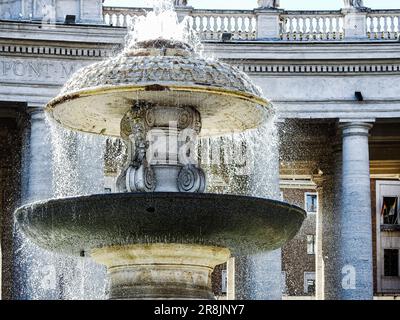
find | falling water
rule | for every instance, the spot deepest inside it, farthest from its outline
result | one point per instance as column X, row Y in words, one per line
column 245, row 163
column 162, row 22
column 77, row 169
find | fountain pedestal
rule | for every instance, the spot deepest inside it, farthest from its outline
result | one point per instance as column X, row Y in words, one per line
column 161, row 271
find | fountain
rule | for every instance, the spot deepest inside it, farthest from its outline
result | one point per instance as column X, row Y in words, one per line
column 161, row 236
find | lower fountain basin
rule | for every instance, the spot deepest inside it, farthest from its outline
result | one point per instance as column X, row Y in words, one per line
column 76, row 226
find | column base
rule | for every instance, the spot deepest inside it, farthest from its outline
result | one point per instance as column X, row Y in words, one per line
column 160, row 271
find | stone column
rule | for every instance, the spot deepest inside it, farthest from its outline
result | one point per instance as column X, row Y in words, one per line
column 33, row 277
column 319, row 260
column 328, row 230
column 268, row 23
column 355, row 243
column 258, row 277
column 37, row 160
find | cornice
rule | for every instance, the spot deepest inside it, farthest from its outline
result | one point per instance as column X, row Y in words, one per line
column 321, row 68
column 257, row 67
column 37, row 31
column 57, row 51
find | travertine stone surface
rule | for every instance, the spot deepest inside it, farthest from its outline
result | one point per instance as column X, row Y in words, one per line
column 160, row 271
column 163, row 72
column 355, row 241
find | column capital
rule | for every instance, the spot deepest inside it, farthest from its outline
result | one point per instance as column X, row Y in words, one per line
column 355, row 128
column 36, row 113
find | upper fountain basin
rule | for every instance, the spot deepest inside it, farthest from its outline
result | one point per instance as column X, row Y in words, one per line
column 160, row 72
column 245, row 225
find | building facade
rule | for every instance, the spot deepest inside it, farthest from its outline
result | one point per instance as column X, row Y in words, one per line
column 333, row 77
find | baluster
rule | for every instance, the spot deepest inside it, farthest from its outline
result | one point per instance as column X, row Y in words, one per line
column 286, row 28
column 385, row 27
column 201, row 28
column 391, row 27
column 134, row 18
column 290, row 28
column 236, row 27
column 223, row 24
column 125, row 20
column 216, row 28
column 255, row 28
column 339, row 26
column 324, row 29
column 106, row 18
column 297, row 30
column 318, row 29
column 305, row 28
column 243, row 28
column 250, row 28
column 398, row 26
column 194, row 24
column 118, row 23
column 378, row 25
column 372, row 27
column 369, row 27
column 283, row 28
column 189, row 23
column 230, row 24
column 311, row 28
column 330, row 35
column 208, row 28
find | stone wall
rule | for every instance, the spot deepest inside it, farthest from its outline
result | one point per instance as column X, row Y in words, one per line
column 295, row 260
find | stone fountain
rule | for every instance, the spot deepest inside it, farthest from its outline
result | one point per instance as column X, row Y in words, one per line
column 161, row 236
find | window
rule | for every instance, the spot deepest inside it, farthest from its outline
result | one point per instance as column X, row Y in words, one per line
column 391, row 262
column 309, row 282
column 224, row 281
column 389, row 211
column 311, row 202
column 310, row 244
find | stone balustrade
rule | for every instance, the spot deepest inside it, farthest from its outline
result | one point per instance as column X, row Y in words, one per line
column 383, row 24
column 292, row 25
column 312, row 25
column 212, row 24
column 122, row 17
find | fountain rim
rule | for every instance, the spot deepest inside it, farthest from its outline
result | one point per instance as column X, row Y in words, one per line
column 160, row 87
column 166, row 194
column 153, row 86
column 38, row 222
